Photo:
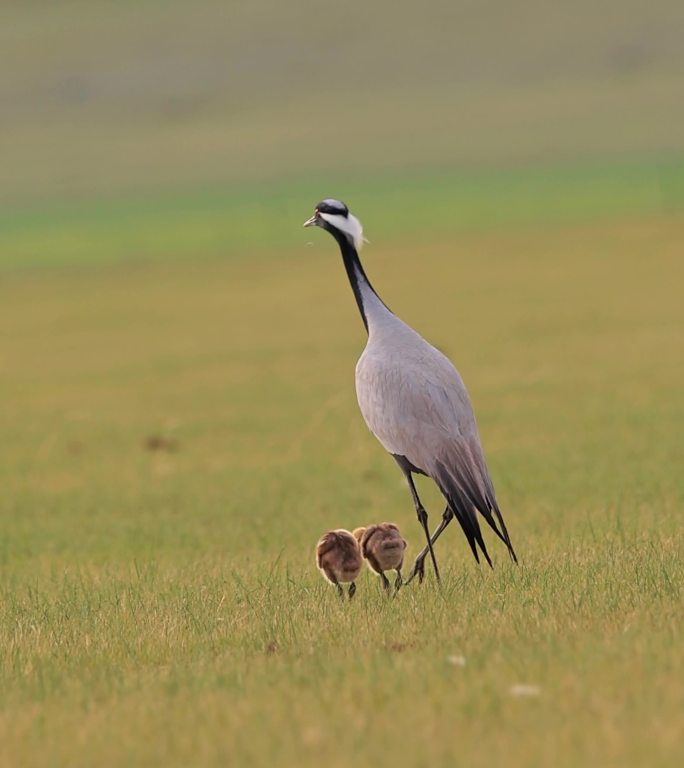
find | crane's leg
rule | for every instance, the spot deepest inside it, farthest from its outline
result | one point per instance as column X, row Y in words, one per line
column 423, row 520
column 418, row 568
column 352, row 590
column 399, row 581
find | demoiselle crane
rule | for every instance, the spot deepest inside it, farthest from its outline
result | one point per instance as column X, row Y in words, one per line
column 414, row 401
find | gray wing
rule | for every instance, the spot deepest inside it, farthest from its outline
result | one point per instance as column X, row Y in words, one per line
column 418, row 407
column 415, row 405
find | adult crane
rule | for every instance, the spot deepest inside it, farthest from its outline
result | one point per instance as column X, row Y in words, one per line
column 414, row 401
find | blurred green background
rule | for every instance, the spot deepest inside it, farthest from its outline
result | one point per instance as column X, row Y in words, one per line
column 176, row 379
column 177, row 128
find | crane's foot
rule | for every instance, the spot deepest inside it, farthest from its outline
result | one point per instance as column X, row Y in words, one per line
column 423, row 519
column 418, row 569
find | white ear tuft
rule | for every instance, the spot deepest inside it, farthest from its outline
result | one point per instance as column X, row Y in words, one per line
column 349, row 225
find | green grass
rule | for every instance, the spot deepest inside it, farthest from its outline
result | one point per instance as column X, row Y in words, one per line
column 235, row 222
column 161, row 606
column 200, row 666
column 176, row 377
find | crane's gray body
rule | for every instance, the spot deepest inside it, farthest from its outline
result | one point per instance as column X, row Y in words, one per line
column 414, row 401
column 411, row 396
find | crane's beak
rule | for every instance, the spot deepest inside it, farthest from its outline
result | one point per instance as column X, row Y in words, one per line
column 312, row 221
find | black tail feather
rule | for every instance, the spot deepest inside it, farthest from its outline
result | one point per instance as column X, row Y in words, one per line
column 506, row 538
column 468, row 533
column 479, row 499
column 466, row 498
column 468, row 522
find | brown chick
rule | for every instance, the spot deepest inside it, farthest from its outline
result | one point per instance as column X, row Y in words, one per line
column 338, row 557
column 383, row 549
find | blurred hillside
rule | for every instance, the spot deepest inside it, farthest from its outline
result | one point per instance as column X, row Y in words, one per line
column 105, row 100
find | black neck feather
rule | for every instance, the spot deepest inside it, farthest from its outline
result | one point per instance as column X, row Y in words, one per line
column 355, row 271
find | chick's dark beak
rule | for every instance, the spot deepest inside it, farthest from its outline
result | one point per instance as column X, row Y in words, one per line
column 313, row 221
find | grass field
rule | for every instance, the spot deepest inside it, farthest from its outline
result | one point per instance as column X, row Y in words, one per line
column 178, row 434
column 176, row 380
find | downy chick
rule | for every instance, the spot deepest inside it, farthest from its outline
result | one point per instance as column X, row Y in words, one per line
column 383, row 549
column 338, row 557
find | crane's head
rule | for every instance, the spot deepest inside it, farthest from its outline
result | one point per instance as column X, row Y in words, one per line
column 333, row 216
